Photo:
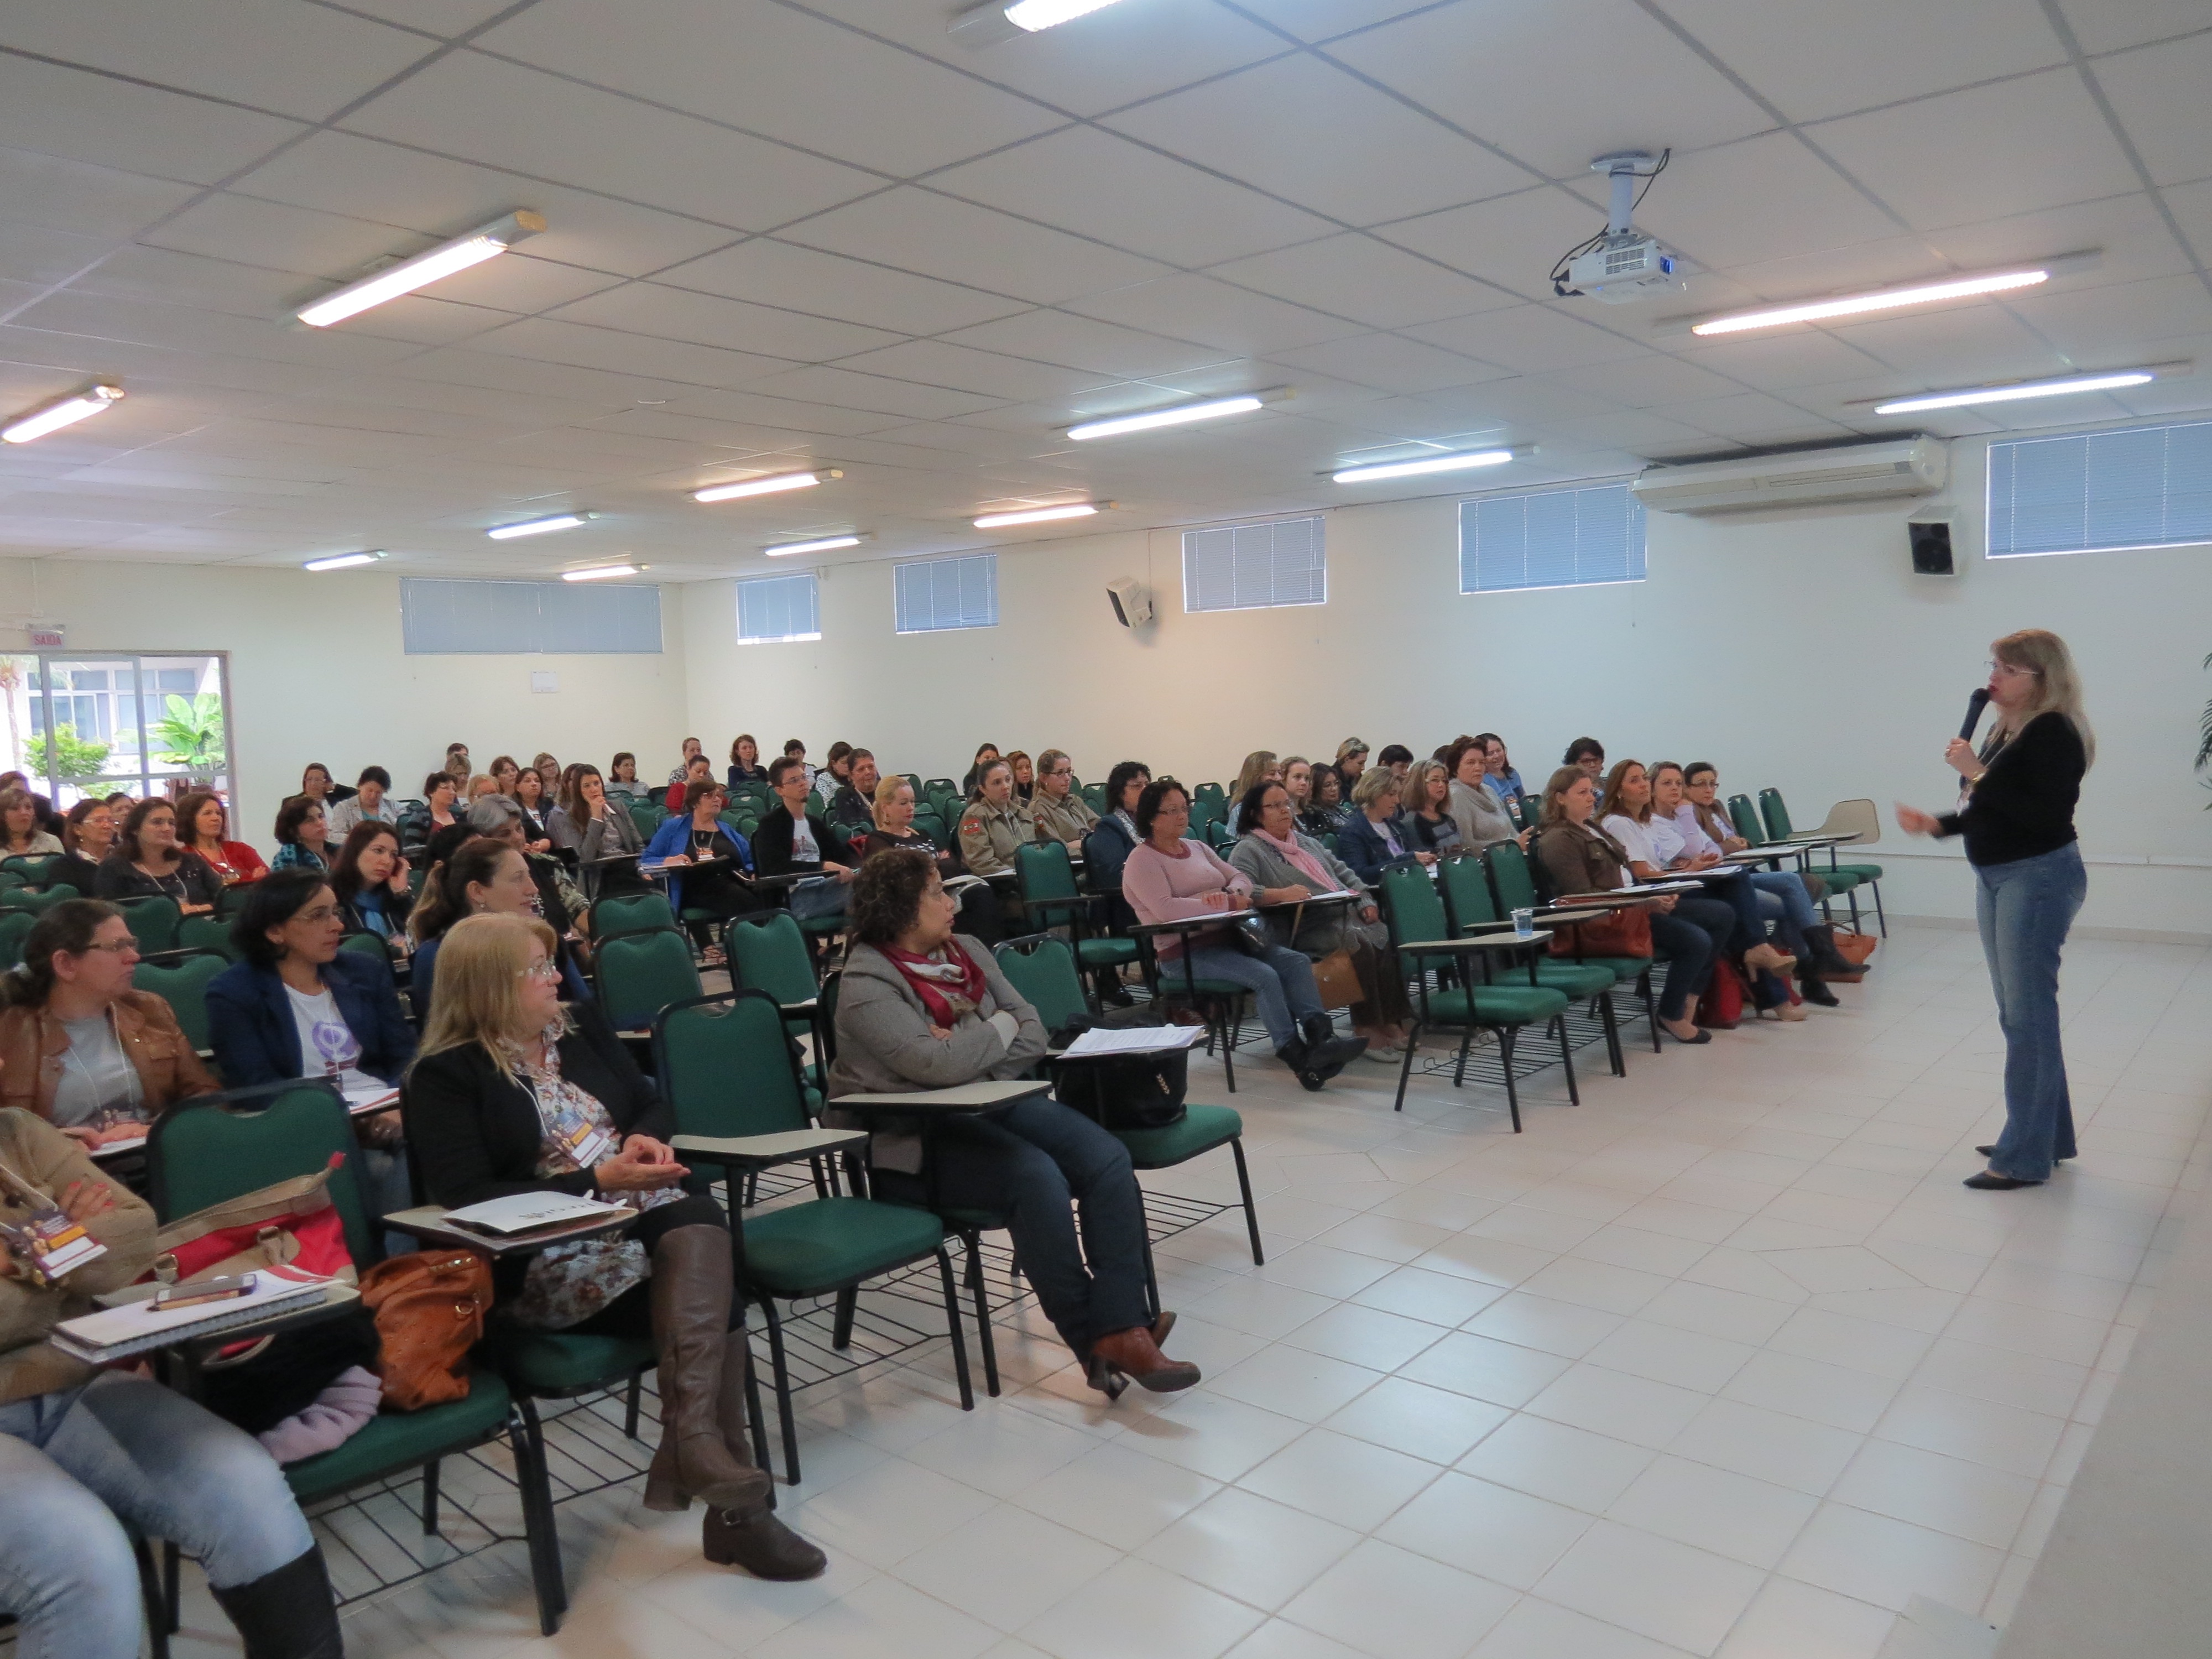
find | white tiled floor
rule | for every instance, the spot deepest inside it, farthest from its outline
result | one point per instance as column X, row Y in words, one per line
column 1724, row 1362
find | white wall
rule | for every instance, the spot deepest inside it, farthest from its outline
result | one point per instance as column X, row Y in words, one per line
column 318, row 672
column 1801, row 652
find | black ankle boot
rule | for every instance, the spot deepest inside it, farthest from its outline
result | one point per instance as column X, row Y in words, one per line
column 289, row 1613
column 761, row 1544
column 1317, row 1029
column 1814, row 989
column 1827, row 959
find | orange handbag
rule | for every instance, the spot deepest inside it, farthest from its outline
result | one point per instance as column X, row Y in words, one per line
column 429, row 1308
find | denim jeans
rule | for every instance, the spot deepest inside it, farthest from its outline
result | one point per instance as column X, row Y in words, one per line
column 1783, row 897
column 1691, row 936
column 2025, row 907
column 74, row 1461
column 1281, row 983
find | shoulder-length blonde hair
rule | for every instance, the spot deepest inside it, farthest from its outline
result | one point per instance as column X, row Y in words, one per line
column 1417, row 787
column 477, row 997
column 2057, row 683
column 1257, row 765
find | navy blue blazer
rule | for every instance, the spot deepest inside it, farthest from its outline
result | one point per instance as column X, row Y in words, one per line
column 256, row 1039
column 1360, row 845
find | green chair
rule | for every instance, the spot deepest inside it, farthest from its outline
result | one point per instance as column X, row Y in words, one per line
column 218, row 1146
column 638, row 974
column 632, row 913
column 1205, row 813
column 1778, row 826
column 927, row 823
column 1745, row 816
column 153, row 922
column 32, row 869
column 182, row 983
column 14, row 928
column 1473, row 908
column 937, row 787
column 1212, row 791
column 363, row 942
column 1045, row 880
column 1220, row 1000
column 1513, row 885
column 205, row 934
column 728, row 1069
column 769, row 954
column 35, row 901
column 1419, row 930
column 1094, row 797
column 646, row 816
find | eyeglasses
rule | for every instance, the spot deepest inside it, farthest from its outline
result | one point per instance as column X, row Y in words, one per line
column 120, row 946
column 1995, row 667
column 543, row 971
column 320, row 913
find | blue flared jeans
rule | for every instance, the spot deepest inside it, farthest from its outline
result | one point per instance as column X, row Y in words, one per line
column 2025, row 907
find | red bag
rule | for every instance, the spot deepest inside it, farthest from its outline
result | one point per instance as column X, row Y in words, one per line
column 1722, row 1005
column 292, row 1223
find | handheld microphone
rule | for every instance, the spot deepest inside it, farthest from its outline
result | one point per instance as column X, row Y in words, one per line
column 1975, row 704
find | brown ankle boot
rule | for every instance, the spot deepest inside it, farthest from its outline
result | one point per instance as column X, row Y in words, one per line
column 690, row 1324
column 754, row 1540
column 1134, row 1354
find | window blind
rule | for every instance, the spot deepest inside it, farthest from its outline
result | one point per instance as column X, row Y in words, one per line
column 933, row 594
column 1551, row 539
column 441, row 618
column 775, row 608
column 1242, row 567
column 2148, row 486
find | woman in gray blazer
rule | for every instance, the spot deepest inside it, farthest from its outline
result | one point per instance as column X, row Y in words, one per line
column 600, row 832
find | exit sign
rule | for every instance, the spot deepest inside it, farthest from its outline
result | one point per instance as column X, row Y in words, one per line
column 47, row 636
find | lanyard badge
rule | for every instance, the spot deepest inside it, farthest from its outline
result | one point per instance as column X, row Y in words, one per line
column 48, row 1243
column 581, row 1139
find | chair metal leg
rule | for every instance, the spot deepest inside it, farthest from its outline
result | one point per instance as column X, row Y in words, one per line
column 1881, row 916
column 1405, row 1071
column 1230, row 1027
column 1251, row 1215
column 633, row 1400
column 841, row 1327
column 1567, row 1060
column 526, row 1435
column 1505, row 1035
column 782, row 1390
column 1613, row 1055
column 756, row 1419
column 1466, row 1043
column 1650, row 996
column 430, row 1498
column 971, row 1242
column 152, row 1595
column 952, row 1329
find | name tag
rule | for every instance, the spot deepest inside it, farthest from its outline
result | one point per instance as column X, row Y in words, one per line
column 581, row 1139
column 53, row 1246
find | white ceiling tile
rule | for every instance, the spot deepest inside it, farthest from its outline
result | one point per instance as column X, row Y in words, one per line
column 1954, row 348
column 322, row 248
column 88, row 117
column 1131, row 196
column 1642, row 382
column 2128, row 230
column 546, row 340
column 1793, row 357
column 1555, row 84
column 1637, row 432
column 1081, row 342
column 443, row 18
column 1868, row 54
column 780, row 72
column 164, row 276
column 846, row 389
column 1282, row 128
column 56, row 194
column 831, row 285
column 2108, row 25
column 1510, row 242
column 2159, row 94
column 102, row 319
column 493, row 372
column 914, row 230
column 2032, row 142
column 35, row 255
column 1214, row 314
column 1756, row 418
column 990, row 373
column 508, row 116
column 1697, row 205
column 2192, row 205
column 1324, row 19
column 1390, row 362
column 2123, row 322
column 1534, row 339
column 803, row 420
column 1370, row 281
column 675, row 313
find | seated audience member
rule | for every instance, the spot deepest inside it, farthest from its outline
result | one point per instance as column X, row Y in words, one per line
column 548, row 774
column 22, row 831
column 504, row 769
column 303, row 835
column 78, row 1045
column 1351, row 761
column 1396, row 758
column 698, row 769
column 456, row 764
column 502, row 1059
column 1579, row 857
column 1428, row 820
column 530, row 795
column 1115, row 835
column 995, row 825
column 1059, row 811
column 746, row 761
column 833, row 777
column 1169, row 879
column 1783, row 895
column 477, row 788
column 1374, row 833
column 681, row 772
column 485, row 875
column 1297, row 784
column 985, row 754
column 1588, row 754
column 621, row 781
column 894, row 828
column 795, row 750
column 1728, row 909
column 88, row 837
column 1274, row 855
column 1482, row 820
column 420, row 823
column 370, row 881
column 1502, row 779
column 559, row 900
column 600, row 831
column 49, row 820
column 1024, row 771
column 707, row 860
column 922, row 1007
column 317, row 784
column 371, row 804
column 1326, row 812
column 794, row 840
column 204, row 828
column 1260, row 766
column 147, row 862
column 851, row 809
column 86, row 1456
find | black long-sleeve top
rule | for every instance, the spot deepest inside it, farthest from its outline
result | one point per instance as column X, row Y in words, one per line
column 2024, row 804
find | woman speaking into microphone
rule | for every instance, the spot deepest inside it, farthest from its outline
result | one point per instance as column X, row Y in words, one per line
column 2016, row 812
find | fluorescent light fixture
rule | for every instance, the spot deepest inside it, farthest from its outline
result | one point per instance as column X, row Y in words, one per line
column 826, row 544
column 2019, row 390
column 600, row 572
column 343, row 561
column 1416, row 468
column 485, row 242
column 769, row 486
column 1038, row 516
column 1035, row 14
column 1000, row 19
column 66, row 411
column 1183, row 413
column 1887, row 299
column 508, row 532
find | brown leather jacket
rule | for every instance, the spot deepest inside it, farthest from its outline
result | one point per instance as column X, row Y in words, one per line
column 33, row 1043
column 1581, row 857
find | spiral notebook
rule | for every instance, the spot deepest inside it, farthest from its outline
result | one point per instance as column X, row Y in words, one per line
column 138, row 1327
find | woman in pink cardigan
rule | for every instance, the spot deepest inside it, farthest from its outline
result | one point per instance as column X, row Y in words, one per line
column 1169, row 879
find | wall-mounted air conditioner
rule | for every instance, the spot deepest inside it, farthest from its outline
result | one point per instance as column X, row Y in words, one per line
column 1809, row 477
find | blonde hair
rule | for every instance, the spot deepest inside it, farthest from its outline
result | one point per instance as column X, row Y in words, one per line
column 479, row 786
column 1375, row 782
column 477, row 996
column 1257, row 765
column 2057, row 683
column 887, row 788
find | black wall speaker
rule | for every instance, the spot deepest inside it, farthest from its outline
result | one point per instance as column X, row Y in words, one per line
column 1931, row 548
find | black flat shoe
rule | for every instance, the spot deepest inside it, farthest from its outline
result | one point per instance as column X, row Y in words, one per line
column 1991, row 1152
column 1703, row 1036
column 1987, row 1182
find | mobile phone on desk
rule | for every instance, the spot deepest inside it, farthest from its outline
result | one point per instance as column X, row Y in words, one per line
column 227, row 1288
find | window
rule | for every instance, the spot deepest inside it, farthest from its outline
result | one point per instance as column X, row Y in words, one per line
column 1571, row 537
column 933, row 594
column 1246, row 565
column 776, row 609
column 474, row 618
column 2150, row 486
column 95, row 724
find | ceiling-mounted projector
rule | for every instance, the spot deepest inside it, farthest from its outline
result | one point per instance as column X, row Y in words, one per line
column 1621, row 264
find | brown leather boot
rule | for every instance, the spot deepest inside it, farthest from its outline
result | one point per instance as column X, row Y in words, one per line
column 1134, row 1354
column 754, row 1540
column 690, row 1324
